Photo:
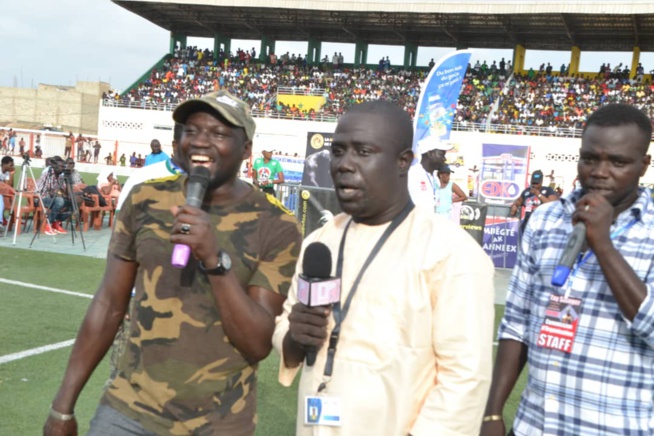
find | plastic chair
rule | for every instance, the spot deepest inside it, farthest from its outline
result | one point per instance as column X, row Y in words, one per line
column 96, row 213
column 24, row 213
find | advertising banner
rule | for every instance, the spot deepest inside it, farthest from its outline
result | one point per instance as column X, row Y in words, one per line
column 292, row 166
column 473, row 218
column 503, row 172
column 501, row 240
column 317, row 206
column 318, row 155
column 439, row 96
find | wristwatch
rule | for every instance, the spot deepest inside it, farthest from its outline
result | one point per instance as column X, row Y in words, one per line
column 223, row 266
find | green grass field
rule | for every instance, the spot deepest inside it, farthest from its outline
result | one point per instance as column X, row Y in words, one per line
column 31, row 318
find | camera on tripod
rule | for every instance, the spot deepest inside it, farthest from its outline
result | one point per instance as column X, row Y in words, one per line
column 67, row 172
column 26, row 158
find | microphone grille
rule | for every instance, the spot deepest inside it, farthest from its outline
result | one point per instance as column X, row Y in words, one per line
column 199, row 175
column 317, row 261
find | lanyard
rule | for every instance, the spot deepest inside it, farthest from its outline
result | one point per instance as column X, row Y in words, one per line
column 590, row 253
column 174, row 168
column 340, row 313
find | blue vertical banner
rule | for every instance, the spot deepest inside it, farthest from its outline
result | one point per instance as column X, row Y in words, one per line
column 439, row 96
column 500, row 240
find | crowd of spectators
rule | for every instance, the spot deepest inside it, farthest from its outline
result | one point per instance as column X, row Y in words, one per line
column 554, row 101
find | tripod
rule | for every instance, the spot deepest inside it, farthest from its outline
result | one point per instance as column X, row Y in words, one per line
column 73, row 214
column 17, row 202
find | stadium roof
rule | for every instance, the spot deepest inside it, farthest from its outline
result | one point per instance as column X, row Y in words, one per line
column 595, row 25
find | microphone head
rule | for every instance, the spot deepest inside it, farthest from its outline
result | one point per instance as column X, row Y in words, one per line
column 200, row 175
column 317, row 261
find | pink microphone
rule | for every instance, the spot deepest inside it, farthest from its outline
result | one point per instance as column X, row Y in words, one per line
column 195, row 189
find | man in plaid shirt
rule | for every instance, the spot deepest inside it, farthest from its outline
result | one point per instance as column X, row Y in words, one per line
column 53, row 190
column 589, row 344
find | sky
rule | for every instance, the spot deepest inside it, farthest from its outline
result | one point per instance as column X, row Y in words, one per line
column 63, row 41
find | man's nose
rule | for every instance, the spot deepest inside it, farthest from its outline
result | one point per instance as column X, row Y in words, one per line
column 600, row 169
column 344, row 162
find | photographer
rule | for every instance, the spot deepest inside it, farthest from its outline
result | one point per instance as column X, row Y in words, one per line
column 532, row 197
column 53, row 189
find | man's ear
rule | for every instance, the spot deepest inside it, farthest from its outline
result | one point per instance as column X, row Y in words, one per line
column 404, row 160
column 647, row 160
column 247, row 150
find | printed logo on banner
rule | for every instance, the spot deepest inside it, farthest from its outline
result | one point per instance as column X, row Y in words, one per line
column 500, row 189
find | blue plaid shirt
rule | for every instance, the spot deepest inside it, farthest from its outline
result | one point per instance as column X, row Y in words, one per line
column 606, row 384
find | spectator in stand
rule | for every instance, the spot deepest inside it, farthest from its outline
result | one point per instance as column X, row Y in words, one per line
column 96, row 151
column 21, row 146
column 80, row 147
column 133, row 160
column 70, row 138
column 157, row 154
column 37, row 146
column 5, row 142
column 12, row 141
column 557, row 104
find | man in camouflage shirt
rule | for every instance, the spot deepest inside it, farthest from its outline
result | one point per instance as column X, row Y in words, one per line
column 197, row 332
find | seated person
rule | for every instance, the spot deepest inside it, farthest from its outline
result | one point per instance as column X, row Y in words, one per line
column 109, row 185
column 54, row 191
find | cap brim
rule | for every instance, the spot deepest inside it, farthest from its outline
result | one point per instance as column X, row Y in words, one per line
column 184, row 110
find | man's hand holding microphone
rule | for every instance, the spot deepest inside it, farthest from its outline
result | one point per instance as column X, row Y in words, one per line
column 309, row 318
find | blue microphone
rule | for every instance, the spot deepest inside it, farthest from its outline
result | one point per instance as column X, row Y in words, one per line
column 570, row 254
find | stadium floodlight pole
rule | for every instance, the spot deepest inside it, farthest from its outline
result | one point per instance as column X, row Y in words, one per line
column 17, row 202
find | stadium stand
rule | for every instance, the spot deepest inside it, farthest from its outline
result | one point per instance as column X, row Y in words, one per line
column 543, row 102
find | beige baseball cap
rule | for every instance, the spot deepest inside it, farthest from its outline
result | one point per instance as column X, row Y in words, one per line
column 234, row 110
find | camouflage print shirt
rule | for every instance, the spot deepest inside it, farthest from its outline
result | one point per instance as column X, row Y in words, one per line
column 179, row 373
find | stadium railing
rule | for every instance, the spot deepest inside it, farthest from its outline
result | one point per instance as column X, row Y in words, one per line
column 303, row 90
column 507, row 129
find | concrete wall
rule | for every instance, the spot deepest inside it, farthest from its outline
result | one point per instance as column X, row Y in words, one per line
column 133, row 129
column 72, row 108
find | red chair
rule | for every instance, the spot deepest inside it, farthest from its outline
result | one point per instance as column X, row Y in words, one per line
column 22, row 214
column 95, row 213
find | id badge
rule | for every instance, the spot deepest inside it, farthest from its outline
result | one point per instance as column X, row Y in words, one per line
column 560, row 324
column 322, row 411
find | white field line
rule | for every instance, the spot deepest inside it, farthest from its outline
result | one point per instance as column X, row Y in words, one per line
column 34, row 351
column 39, row 350
column 51, row 347
column 45, row 288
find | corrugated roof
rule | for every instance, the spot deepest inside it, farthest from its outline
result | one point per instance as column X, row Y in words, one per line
column 544, row 25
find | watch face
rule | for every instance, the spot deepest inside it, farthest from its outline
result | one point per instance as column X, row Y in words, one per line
column 225, row 261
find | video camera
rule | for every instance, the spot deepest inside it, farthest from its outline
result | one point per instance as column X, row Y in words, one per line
column 26, row 158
